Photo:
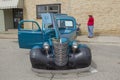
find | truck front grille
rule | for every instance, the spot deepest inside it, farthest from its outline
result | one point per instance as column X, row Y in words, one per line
column 60, row 50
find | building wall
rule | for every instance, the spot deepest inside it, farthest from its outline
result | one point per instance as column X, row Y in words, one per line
column 2, row 25
column 8, row 15
column 105, row 12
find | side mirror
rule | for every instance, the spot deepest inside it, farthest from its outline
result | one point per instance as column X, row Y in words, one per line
column 78, row 24
column 78, row 29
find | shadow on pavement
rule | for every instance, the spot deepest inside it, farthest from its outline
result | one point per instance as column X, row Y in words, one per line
column 74, row 74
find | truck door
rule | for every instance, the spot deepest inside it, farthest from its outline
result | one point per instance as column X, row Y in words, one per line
column 29, row 34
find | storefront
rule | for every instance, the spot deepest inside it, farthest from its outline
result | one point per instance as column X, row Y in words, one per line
column 11, row 12
column 106, row 13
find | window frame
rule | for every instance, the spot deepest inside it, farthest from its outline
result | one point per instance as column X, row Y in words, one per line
column 47, row 10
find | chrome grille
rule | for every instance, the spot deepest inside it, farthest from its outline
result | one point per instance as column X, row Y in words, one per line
column 60, row 50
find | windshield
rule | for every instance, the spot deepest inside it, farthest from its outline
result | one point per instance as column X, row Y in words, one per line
column 65, row 23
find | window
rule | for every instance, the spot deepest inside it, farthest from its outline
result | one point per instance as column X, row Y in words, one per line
column 65, row 24
column 50, row 8
column 32, row 26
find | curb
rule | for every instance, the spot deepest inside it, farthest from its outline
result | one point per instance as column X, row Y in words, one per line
column 8, row 36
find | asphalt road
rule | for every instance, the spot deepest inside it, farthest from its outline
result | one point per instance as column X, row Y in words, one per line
column 15, row 64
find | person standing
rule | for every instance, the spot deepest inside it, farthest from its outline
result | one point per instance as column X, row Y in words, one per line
column 90, row 25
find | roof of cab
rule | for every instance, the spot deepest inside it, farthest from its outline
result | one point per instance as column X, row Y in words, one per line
column 63, row 16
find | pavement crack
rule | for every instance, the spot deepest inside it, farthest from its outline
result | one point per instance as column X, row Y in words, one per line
column 52, row 76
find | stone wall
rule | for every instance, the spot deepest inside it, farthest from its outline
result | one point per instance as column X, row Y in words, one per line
column 105, row 12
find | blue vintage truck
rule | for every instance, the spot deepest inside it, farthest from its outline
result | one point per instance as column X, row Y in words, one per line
column 53, row 47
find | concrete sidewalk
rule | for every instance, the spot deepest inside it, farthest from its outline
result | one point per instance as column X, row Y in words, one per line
column 10, row 34
column 99, row 39
column 13, row 34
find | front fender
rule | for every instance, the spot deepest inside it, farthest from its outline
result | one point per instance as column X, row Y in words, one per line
column 39, row 59
column 81, row 58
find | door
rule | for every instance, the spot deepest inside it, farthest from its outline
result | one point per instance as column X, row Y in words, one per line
column 17, row 16
column 31, row 36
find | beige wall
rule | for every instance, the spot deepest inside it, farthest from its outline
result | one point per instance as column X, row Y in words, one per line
column 105, row 12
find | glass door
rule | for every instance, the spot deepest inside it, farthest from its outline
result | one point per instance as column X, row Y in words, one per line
column 17, row 16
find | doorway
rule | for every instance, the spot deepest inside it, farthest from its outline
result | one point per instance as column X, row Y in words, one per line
column 17, row 16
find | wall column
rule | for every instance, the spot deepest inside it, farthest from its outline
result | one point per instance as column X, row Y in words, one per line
column 2, row 21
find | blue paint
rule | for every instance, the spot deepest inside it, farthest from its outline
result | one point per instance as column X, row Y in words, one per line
column 30, row 38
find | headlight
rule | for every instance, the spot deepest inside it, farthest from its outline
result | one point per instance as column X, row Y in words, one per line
column 46, row 46
column 75, row 45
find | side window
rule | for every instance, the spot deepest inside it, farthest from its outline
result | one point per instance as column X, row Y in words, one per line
column 48, row 8
column 30, row 26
